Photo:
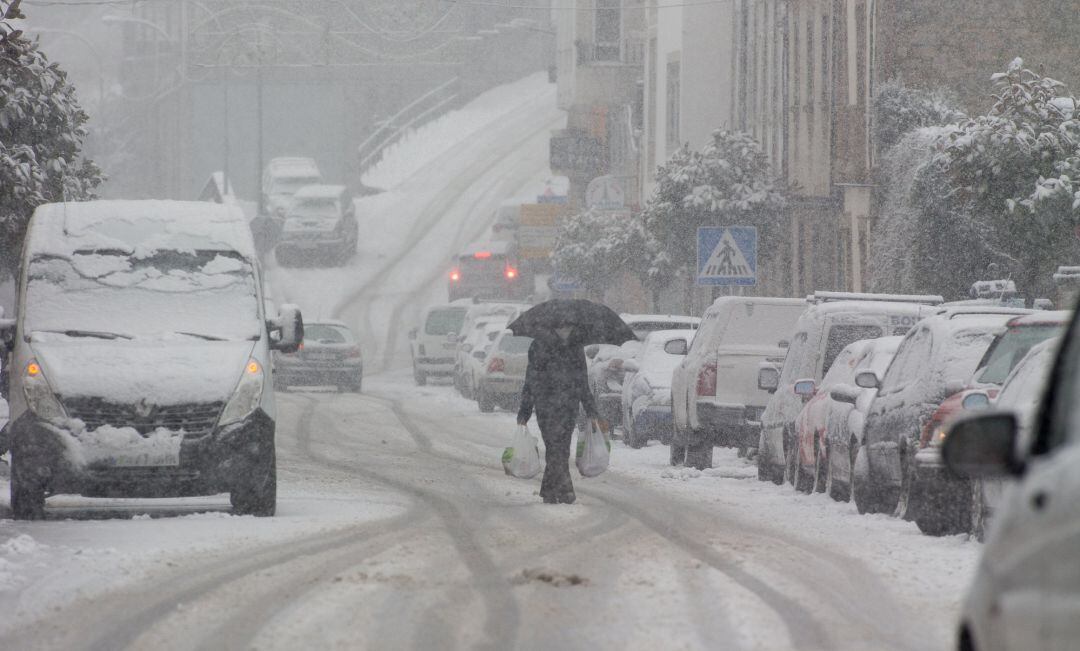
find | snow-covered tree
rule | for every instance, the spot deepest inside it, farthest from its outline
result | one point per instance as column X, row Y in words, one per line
column 728, row 183
column 596, row 247
column 899, row 110
column 1014, row 168
column 41, row 134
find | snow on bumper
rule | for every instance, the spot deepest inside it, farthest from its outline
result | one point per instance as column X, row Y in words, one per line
column 121, row 462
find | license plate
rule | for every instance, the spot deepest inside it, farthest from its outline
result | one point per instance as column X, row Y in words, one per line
column 145, row 459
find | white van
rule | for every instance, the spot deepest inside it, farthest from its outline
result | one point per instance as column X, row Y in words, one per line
column 434, row 342
column 714, row 391
column 141, row 356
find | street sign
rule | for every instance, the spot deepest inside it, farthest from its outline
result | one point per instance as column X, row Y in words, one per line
column 605, row 193
column 727, row 256
column 560, row 283
column 538, row 225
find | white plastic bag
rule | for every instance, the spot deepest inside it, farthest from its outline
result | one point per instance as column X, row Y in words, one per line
column 522, row 458
column 593, row 451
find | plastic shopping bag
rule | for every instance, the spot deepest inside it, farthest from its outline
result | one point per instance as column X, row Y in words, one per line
column 593, row 451
column 522, row 458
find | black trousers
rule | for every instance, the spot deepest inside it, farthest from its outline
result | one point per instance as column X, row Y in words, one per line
column 557, row 430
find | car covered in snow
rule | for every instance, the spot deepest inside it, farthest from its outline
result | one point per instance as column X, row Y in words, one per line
column 490, row 271
column 281, row 180
column 320, row 228
column 329, row 356
column 646, row 399
column 433, row 343
column 935, row 360
column 141, row 361
column 1025, row 593
column 474, row 358
column 479, row 316
column 715, row 395
column 930, row 482
column 831, row 322
column 829, row 427
column 503, row 378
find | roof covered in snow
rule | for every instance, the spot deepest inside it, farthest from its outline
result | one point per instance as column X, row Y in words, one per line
column 319, row 192
column 293, row 166
column 138, row 227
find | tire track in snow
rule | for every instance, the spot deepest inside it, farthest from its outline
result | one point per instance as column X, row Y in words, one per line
column 502, row 619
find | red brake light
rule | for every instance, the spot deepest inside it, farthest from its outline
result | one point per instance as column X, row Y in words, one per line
column 482, row 255
column 455, row 275
column 615, row 364
column 353, row 352
column 706, row 379
column 496, row 365
column 511, row 273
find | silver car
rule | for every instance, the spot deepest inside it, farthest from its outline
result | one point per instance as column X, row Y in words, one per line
column 503, row 375
column 329, row 356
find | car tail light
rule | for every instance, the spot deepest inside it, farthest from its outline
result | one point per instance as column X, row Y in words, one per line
column 299, row 349
column 353, row 352
column 706, row 379
column 511, row 273
column 496, row 365
column 455, row 275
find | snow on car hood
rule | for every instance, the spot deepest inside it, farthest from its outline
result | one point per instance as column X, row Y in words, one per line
column 170, row 371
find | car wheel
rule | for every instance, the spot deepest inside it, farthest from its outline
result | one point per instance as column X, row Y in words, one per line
column 677, row 454
column 255, row 491
column 907, row 506
column 803, row 482
column 821, row 463
column 419, row 377
column 358, row 387
column 699, row 455
column 791, row 459
column 834, row 487
column 27, row 492
column 485, row 402
column 861, row 492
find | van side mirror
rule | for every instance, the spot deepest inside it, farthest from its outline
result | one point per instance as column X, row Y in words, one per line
column 868, row 380
column 805, row 389
column 290, row 327
column 768, row 379
column 983, row 445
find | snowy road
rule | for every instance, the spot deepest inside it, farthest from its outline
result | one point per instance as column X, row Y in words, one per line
column 398, row 529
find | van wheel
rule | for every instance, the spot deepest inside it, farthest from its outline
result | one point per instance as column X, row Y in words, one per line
column 27, row 492
column 699, row 455
column 255, row 491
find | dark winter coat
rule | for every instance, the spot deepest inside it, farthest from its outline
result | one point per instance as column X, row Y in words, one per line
column 556, row 380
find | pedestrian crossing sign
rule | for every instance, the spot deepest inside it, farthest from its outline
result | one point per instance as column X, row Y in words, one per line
column 727, row 256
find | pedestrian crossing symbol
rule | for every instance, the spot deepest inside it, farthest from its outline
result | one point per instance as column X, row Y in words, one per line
column 727, row 256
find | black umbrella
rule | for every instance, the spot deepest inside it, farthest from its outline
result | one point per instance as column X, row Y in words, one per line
column 592, row 323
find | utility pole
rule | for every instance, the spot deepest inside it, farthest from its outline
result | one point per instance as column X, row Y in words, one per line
column 259, row 121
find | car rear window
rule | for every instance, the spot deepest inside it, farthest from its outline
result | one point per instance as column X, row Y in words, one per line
column 1008, row 349
column 443, row 322
column 760, row 324
column 841, row 336
column 643, row 328
column 326, row 334
column 515, row 344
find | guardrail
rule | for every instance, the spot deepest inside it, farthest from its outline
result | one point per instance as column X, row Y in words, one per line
column 409, row 117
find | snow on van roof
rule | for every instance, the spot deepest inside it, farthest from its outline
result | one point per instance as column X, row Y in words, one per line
column 293, row 166
column 759, row 300
column 138, row 227
column 871, row 307
column 673, row 318
column 319, row 191
column 925, row 299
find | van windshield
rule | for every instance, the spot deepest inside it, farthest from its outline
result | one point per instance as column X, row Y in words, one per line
column 443, row 322
column 315, row 208
column 288, row 185
column 205, row 294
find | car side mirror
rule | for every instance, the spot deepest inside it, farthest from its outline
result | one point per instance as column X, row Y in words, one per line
column 983, row 446
column 413, row 333
column 805, row 388
column 591, row 350
column 290, row 327
column 975, row 400
column 630, row 366
column 768, row 379
column 676, row 347
column 868, row 380
column 845, row 393
column 783, row 343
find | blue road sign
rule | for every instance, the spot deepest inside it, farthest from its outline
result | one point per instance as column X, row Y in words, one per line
column 727, row 256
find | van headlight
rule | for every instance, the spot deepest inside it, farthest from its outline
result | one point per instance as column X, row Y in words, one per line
column 247, row 396
column 39, row 395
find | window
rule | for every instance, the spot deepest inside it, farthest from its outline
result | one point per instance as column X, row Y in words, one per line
column 913, row 353
column 1009, row 348
column 673, row 90
column 608, row 30
column 841, row 336
column 326, row 334
column 443, row 322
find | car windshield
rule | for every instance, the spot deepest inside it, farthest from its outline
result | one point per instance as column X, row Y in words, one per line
column 288, row 185
column 444, row 322
column 326, row 334
column 310, row 207
column 512, row 344
column 1009, row 348
column 200, row 293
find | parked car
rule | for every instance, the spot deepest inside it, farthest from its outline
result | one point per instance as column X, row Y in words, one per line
column 931, row 482
column 933, row 362
column 824, row 456
column 282, row 178
column 475, row 358
column 646, row 398
column 141, row 363
column 433, row 344
column 715, row 395
column 1020, row 395
column 478, row 317
column 504, row 374
column 319, row 228
column 1026, row 590
column 831, row 322
column 329, row 356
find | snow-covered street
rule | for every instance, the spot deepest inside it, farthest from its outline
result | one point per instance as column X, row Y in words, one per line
column 397, row 528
